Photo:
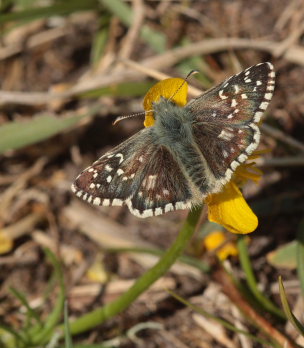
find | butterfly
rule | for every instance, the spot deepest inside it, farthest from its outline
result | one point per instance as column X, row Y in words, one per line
column 189, row 153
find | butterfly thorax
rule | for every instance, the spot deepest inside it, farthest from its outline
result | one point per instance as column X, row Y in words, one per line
column 172, row 123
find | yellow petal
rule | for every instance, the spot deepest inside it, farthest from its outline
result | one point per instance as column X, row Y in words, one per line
column 215, row 239
column 175, row 89
column 247, row 171
column 229, row 209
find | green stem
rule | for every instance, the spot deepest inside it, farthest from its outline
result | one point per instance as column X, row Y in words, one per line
column 106, row 312
column 251, row 280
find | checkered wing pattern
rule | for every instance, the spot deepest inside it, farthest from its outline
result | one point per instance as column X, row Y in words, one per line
column 139, row 173
column 225, row 118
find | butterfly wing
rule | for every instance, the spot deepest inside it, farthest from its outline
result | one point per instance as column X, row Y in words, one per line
column 139, row 173
column 225, row 118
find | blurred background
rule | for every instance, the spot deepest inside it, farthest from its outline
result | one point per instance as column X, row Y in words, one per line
column 67, row 70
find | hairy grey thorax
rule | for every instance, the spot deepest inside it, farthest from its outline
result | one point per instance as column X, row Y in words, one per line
column 173, row 129
column 172, row 123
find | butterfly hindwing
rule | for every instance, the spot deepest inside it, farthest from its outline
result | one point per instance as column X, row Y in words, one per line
column 163, row 188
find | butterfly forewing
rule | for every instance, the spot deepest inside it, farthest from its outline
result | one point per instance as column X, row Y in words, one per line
column 241, row 99
column 225, row 118
column 133, row 173
column 115, row 176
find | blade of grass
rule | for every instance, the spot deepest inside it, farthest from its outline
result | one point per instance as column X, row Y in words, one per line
column 30, row 311
column 294, row 321
column 251, row 280
column 106, row 312
column 67, row 333
column 300, row 254
column 100, row 39
column 53, row 319
column 17, row 134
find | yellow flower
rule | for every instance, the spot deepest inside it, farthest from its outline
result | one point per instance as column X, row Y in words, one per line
column 228, row 207
column 218, row 240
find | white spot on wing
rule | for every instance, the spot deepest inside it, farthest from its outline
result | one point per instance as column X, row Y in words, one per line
column 221, row 94
column 263, row 105
column 242, row 158
column 119, row 172
column 257, row 116
column 120, row 155
column 169, row 207
column 225, row 135
column 109, row 179
column 233, row 103
column 158, row 211
column 147, row 213
column 117, row 202
column 234, row 165
column 97, row 201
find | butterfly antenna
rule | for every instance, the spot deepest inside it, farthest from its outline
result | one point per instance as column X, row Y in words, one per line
column 119, row 118
column 192, row 72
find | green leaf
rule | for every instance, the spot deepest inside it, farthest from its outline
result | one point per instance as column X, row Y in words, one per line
column 294, row 321
column 284, row 256
column 17, row 134
column 62, row 8
column 300, row 254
